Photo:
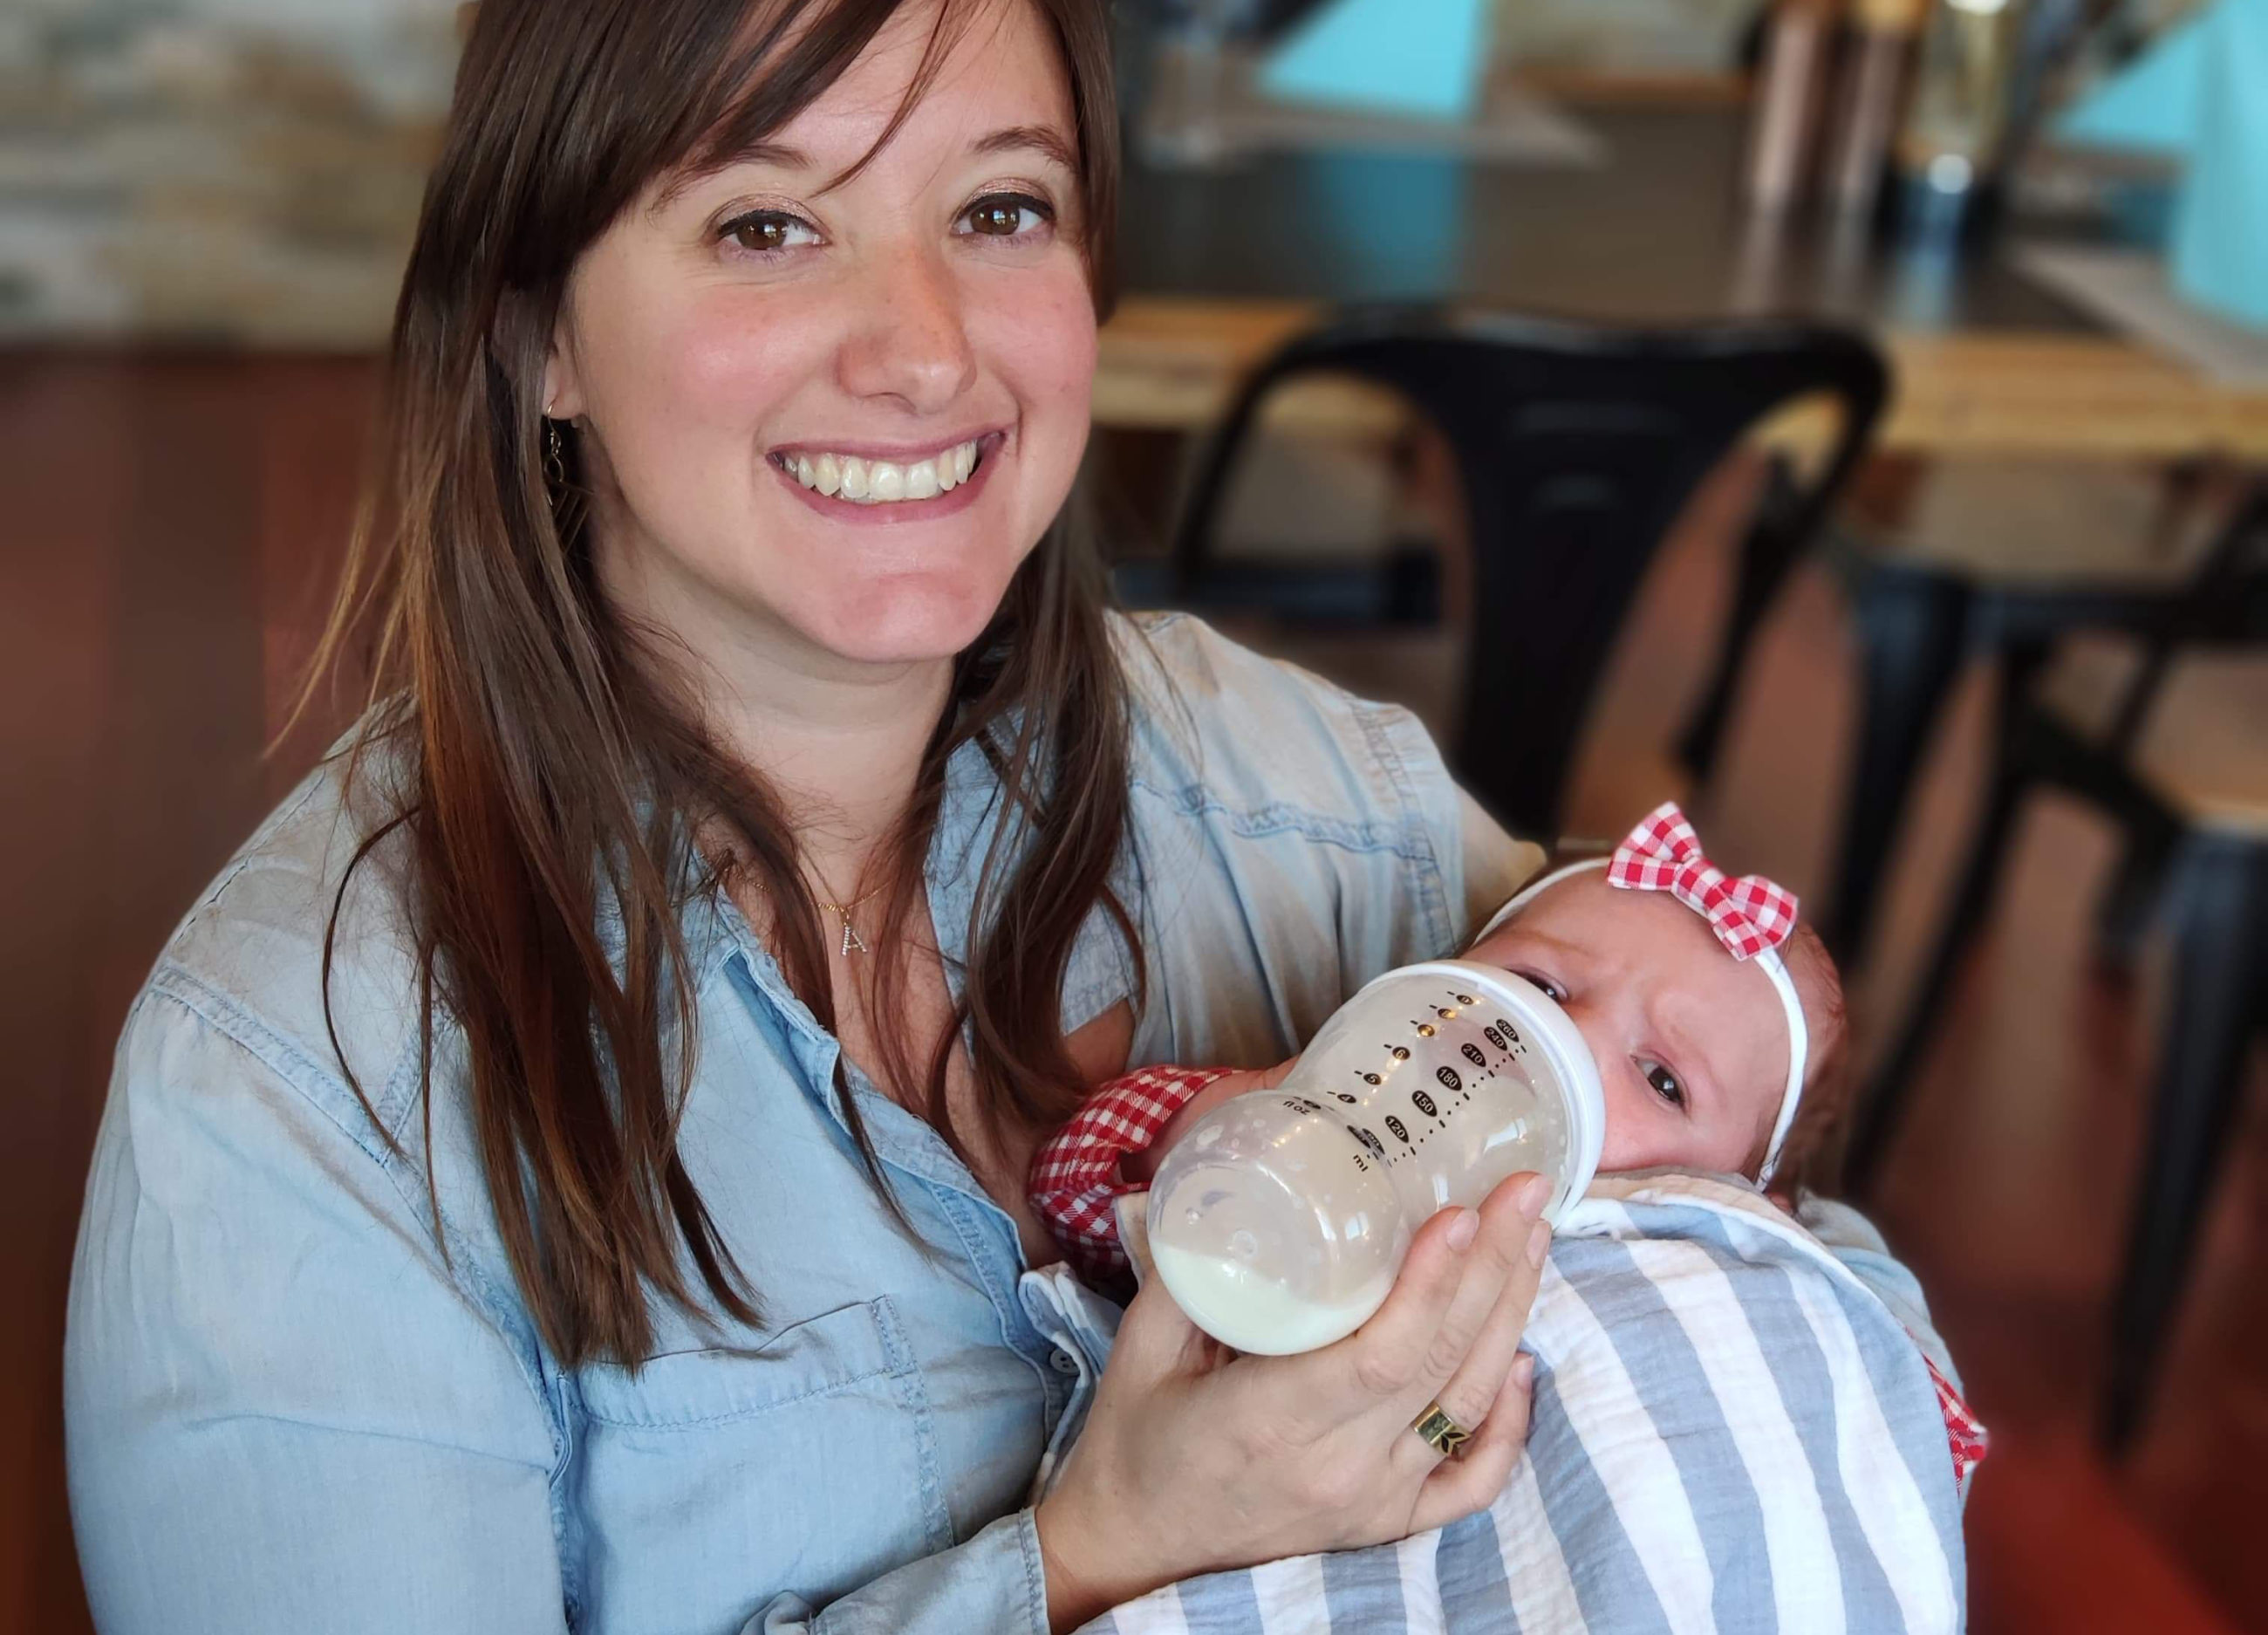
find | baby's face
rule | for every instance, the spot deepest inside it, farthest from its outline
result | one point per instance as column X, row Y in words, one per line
column 1691, row 1044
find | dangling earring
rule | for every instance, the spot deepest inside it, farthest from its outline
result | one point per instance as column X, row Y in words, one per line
column 554, row 452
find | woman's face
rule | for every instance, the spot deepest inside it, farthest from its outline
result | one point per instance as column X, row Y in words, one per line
column 831, row 423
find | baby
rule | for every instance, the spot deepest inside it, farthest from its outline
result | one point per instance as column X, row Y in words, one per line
column 1734, row 1420
column 1716, row 1021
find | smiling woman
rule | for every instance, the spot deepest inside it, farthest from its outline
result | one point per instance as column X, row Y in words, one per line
column 567, row 1172
column 770, row 354
column 784, row 269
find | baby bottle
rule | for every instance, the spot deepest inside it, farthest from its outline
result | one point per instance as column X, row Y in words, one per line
column 1279, row 1221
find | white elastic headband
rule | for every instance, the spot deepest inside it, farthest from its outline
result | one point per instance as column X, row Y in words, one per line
column 1799, row 1036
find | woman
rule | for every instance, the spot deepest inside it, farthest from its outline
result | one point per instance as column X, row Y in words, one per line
column 567, row 1171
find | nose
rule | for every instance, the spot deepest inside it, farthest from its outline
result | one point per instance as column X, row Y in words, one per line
column 1598, row 1035
column 911, row 343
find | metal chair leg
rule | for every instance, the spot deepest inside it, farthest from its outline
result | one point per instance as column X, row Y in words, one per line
column 1767, row 553
column 2219, row 919
column 2130, row 901
column 1911, row 630
column 1881, row 1106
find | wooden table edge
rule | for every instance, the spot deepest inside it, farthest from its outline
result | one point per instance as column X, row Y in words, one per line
column 1170, row 363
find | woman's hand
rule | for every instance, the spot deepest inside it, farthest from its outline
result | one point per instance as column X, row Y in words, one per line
column 1196, row 1459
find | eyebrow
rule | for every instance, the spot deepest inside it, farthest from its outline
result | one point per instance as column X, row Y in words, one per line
column 1045, row 138
column 765, row 153
column 693, row 175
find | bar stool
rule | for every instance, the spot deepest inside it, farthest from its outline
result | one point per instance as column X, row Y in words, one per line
column 2170, row 738
column 2001, row 559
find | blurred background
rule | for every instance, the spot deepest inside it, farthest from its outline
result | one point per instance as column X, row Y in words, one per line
column 1847, row 417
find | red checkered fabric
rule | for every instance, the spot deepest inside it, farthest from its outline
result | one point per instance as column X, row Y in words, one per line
column 1075, row 1183
column 1662, row 853
column 1963, row 1430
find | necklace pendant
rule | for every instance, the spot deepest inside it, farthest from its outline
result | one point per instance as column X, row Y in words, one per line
column 852, row 942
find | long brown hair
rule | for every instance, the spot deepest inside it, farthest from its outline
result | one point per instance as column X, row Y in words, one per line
column 555, row 780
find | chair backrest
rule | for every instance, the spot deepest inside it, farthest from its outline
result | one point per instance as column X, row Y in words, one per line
column 2225, row 602
column 1578, row 447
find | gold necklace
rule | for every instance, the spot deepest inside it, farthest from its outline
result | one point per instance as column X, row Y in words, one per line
column 852, row 942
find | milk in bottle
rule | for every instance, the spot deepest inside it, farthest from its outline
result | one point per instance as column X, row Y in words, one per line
column 1279, row 1221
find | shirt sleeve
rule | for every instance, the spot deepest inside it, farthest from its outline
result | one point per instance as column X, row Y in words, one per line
column 282, row 1413
column 993, row 1582
column 1292, row 841
column 286, row 1410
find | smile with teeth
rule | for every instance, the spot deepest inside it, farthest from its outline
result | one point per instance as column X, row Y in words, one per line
column 882, row 482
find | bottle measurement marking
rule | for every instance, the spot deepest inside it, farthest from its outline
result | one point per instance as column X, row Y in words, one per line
column 1433, row 1115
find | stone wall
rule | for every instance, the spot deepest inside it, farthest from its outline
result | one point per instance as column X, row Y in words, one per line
column 236, row 171
column 248, row 172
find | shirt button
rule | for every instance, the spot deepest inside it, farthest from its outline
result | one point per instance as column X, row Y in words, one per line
column 1064, row 1362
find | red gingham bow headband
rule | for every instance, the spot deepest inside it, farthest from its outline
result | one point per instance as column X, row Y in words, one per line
column 1751, row 917
column 1748, row 915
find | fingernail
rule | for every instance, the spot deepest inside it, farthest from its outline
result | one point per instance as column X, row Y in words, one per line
column 1534, row 1197
column 1523, row 1371
column 1461, row 1230
column 1539, row 1244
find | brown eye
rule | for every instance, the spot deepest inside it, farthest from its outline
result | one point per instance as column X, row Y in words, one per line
column 1005, row 215
column 768, row 233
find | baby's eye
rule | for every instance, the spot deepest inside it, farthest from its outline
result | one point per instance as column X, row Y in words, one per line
column 1665, row 1084
column 1557, row 994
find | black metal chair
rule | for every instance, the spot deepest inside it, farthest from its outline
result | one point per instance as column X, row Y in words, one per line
column 2196, row 822
column 1577, row 447
column 1919, row 618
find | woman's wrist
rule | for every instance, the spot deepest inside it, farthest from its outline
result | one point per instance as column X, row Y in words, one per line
column 1077, row 1592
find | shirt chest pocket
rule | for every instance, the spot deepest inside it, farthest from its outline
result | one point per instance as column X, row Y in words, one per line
column 809, row 1462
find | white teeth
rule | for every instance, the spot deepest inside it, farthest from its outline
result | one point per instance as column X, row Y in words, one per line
column 881, row 481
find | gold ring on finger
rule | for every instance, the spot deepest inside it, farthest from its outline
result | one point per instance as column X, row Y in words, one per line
column 1440, row 1432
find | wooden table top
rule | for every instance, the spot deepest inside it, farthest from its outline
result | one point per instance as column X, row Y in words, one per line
column 1218, row 266
column 1170, row 363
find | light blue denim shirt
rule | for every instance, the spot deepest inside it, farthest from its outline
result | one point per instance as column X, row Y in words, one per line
column 297, row 1402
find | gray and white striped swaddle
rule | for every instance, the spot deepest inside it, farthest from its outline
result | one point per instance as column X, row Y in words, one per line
column 1732, row 1433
